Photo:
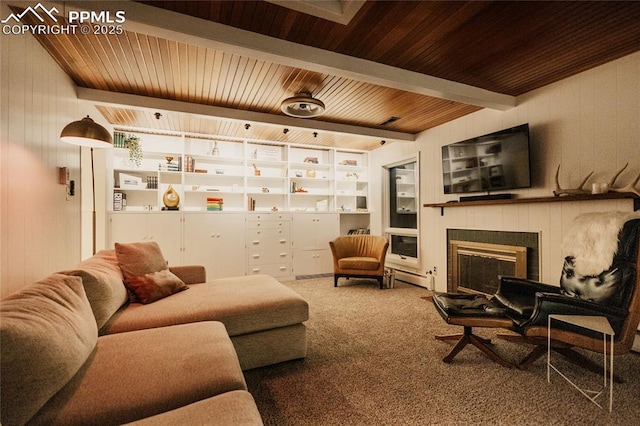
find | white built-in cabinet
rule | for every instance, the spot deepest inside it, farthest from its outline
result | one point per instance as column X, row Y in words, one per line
column 269, row 244
column 281, row 203
column 311, row 235
column 215, row 241
column 163, row 228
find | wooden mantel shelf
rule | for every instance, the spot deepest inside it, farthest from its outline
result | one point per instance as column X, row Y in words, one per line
column 550, row 199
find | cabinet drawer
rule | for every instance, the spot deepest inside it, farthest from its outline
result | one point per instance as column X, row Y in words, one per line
column 273, row 224
column 268, row 238
column 260, row 217
column 275, row 270
column 264, row 257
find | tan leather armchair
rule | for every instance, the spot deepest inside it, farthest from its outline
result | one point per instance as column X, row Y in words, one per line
column 360, row 256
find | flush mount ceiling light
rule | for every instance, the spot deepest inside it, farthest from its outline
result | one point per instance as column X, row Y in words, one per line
column 302, row 105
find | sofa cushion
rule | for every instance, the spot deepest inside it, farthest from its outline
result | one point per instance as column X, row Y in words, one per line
column 137, row 259
column 47, row 332
column 102, row 280
column 143, row 373
column 235, row 408
column 148, row 288
column 244, row 304
column 361, row 263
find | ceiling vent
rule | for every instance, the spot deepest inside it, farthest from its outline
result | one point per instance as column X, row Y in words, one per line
column 302, row 105
column 389, row 120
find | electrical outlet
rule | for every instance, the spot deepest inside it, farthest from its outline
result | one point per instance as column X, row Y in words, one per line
column 435, row 270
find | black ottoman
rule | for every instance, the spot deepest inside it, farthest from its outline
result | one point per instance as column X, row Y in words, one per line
column 471, row 310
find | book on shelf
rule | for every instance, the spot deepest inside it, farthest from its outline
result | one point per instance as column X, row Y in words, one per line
column 251, row 204
column 359, row 231
column 214, row 204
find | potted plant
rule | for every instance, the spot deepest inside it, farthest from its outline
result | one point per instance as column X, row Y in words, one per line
column 135, row 150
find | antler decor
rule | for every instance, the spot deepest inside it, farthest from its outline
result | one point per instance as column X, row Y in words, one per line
column 631, row 187
column 580, row 189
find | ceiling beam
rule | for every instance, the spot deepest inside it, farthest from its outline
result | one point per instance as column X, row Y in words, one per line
column 190, row 30
column 106, row 98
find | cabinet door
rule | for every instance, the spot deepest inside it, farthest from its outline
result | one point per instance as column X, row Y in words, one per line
column 163, row 228
column 230, row 245
column 217, row 242
column 327, row 228
column 314, row 231
column 128, row 228
column 311, row 262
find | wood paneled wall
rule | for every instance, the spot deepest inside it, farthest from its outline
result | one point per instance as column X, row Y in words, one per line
column 587, row 122
column 40, row 229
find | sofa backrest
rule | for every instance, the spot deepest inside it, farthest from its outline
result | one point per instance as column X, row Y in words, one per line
column 47, row 332
column 103, row 283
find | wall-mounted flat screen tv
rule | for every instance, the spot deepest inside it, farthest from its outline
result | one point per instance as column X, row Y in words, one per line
column 495, row 162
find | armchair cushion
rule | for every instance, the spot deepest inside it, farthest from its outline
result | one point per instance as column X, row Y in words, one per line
column 358, row 262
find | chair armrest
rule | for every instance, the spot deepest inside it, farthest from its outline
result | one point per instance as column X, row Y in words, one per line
column 190, row 274
column 522, row 286
column 558, row 304
column 518, row 295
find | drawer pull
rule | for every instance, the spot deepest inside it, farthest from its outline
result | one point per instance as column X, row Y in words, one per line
column 255, row 242
column 256, row 256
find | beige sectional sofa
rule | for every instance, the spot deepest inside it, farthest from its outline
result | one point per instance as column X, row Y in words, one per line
column 75, row 350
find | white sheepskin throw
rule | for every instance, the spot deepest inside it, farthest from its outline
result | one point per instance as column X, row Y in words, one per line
column 592, row 240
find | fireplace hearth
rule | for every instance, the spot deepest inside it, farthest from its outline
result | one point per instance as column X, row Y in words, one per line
column 476, row 258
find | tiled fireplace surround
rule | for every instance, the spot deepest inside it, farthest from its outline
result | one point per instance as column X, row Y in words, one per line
column 490, row 268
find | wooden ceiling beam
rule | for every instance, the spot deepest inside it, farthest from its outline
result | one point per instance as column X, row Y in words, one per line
column 179, row 27
column 107, row 98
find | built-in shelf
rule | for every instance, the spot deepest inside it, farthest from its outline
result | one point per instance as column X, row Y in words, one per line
column 550, row 199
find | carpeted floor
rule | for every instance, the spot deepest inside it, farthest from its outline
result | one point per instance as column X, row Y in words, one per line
column 372, row 360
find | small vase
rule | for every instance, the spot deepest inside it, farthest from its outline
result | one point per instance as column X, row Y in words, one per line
column 171, row 199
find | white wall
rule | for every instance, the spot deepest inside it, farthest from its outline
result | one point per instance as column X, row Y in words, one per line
column 40, row 228
column 590, row 121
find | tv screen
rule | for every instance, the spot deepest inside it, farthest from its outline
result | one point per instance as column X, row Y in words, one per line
column 494, row 162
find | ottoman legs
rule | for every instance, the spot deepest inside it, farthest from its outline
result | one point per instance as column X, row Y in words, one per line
column 467, row 337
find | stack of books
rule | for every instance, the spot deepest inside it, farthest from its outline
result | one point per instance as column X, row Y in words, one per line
column 251, row 204
column 214, row 204
column 169, row 167
column 119, row 140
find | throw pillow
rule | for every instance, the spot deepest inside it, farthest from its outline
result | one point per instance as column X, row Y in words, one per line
column 137, row 259
column 47, row 332
column 148, row 288
column 102, row 280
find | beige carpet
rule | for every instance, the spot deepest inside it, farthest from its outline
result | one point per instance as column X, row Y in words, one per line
column 372, row 360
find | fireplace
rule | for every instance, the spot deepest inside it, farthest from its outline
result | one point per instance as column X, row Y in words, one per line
column 476, row 258
column 477, row 266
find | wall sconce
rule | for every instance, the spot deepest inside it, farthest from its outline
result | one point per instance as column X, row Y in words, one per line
column 63, row 175
column 247, row 126
column 285, row 131
column 315, row 134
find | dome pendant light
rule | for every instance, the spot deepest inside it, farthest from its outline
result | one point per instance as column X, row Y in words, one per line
column 302, row 105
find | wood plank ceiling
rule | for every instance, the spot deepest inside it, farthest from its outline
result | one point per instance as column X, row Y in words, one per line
column 501, row 46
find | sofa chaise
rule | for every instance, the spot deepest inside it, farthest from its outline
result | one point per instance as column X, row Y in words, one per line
column 78, row 347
